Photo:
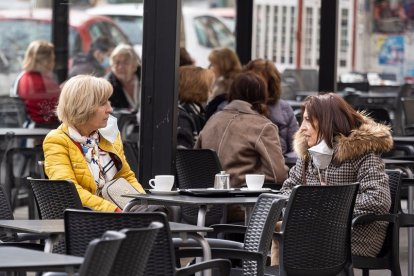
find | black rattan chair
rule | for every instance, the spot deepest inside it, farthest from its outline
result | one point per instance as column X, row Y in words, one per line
column 53, row 197
column 315, row 238
column 81, row 226
column 196, row 168
column 101, row 254
column 15, row 239
column 388, row 258
column 257, row 238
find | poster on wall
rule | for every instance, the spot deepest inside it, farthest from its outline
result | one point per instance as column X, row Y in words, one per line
column 391, row 50
column 392, row 16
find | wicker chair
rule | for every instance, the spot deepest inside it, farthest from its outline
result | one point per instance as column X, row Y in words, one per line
column 16, row 239
column 388, row 258
column 315, row 238
column 257, row 238
column 101, row 254
column 81, row 226
column 53, row 197
column 196, row 168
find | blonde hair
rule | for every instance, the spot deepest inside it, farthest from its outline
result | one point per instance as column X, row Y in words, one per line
column 37, row 54
column 195, row 83
column 125, row 49
column 80, row 98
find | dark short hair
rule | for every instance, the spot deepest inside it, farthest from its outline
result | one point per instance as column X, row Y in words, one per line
column 103, row 44
column 185, row 58
column 251, row 88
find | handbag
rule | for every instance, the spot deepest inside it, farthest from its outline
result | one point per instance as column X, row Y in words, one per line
column 114, row 189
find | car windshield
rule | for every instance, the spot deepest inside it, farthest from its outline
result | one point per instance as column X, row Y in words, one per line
column 212, row 33
column 131, row 25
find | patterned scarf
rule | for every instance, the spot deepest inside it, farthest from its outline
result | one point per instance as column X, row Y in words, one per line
column 90, row 148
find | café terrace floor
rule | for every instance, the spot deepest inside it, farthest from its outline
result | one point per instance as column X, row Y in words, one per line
column 22, row 213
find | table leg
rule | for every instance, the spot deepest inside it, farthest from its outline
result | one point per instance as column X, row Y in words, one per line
column 201, row 221
column 205, row 247
column 201, row 217
column 50, row 242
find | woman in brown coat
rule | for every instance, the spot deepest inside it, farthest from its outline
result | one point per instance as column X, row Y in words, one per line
column 245, row 140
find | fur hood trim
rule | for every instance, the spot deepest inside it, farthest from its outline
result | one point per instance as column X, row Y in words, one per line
column 369, row 137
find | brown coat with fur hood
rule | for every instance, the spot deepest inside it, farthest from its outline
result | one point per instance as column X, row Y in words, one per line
column 356, row 158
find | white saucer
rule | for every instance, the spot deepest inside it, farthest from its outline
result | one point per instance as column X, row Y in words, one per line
column 255, row 190
column 175, row 192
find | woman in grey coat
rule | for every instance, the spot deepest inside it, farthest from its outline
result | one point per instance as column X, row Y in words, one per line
column 337, row 145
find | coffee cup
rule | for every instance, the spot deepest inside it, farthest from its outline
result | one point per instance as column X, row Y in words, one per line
column 255, row 181
column 162, row 182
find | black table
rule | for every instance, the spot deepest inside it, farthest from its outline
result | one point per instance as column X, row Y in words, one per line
column 21, row 259
column 203, row 203
column 55, row 228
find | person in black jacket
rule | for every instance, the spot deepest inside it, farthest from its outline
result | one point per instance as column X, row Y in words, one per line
column 194, row 87
column 125, row 78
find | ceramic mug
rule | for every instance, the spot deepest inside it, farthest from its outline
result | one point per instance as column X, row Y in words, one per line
column 255, row 181
column 162, row 182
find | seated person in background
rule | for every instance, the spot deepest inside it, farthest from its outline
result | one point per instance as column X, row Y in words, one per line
column 194, row 87
column 87, row 148
column 280, row 112
column 226, row 65
column 96, row 61
column 37, row 86
column 125, row 78
column 245, row 140
column 351, row 144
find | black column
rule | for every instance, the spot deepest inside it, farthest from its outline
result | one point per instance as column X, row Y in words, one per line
column 160, row 59
column 60, row 34
column 244, row 30
column 328, row 45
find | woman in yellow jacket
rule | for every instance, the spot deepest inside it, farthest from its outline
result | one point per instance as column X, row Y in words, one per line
column 87, row 148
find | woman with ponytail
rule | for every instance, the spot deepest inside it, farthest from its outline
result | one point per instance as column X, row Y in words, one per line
column 245, row 140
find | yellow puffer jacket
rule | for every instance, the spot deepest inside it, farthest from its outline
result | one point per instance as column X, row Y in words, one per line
column 64, row 160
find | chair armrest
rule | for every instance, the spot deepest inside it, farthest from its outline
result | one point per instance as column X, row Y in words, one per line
column 228, row 253
column 20, row 237
column 213, row 243
column 368, row 218
column 223, row 265
column 227, row 228
column 406, row 220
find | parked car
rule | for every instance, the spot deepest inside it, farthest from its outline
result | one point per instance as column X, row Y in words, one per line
column 19, row 27
column 203, row 30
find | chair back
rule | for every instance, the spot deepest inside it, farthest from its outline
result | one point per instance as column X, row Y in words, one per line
column 101, row 254
column 137, row 246
column 316, row 230
column 394, row 182
column 196, row 168
column 407, row 115
column 5, row 213
column 261, row 226
column 81, row 226
column 53, row 197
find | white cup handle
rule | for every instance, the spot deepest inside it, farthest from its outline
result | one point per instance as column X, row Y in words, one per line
column 151, row 183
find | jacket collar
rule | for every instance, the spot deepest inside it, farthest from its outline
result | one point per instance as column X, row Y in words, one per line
column 240, row 106
column 108, row 133
column 369, row 137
